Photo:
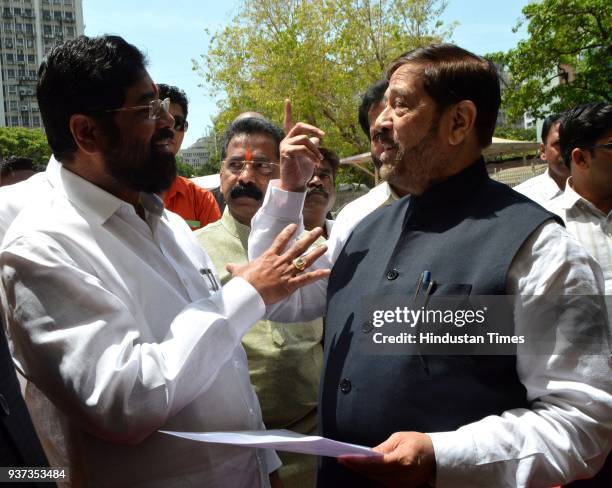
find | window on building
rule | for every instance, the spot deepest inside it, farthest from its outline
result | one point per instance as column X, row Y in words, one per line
column 21, row 58
column 30, row 42
column 32, row 73
column 68, row 2
column 28, row 12
column 17, row 10
column 19, row 42
column 8, row 27
column 46, row 14
column 10, row 58
column 69, row 15
column 13, row 105
column 12, row 90
column 47, row 30
column 29, row 28
column 25, row 121
column 31, row 59
column 57, row 14
column 70, row 30
column 6, row 12
column 36, row 121
column 14, row 121
column 57, row 29
column 10, row 74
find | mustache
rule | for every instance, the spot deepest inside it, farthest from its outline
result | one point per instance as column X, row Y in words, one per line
column 319, row 191
column 248, row 190
column 163, row 133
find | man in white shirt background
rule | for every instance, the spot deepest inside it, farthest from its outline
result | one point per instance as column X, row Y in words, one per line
column 114, row 314
column 586, row 204
column 372, row 104
column 550, row 184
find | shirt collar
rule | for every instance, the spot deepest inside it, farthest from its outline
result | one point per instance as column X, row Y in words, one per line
column 90, row 199
column 549, row 187
column 571, row 198
column 234, row 227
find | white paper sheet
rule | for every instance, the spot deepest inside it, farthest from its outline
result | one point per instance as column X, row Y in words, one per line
column 281, row 440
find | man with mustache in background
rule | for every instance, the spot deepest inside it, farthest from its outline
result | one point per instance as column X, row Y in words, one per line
column 284, row 359
column 321, row 193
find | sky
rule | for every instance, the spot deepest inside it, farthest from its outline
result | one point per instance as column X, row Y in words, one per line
column 172, row 33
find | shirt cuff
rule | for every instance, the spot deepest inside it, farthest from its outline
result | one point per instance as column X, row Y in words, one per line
column 281, row 204
column 240, row 304
column 456, row 457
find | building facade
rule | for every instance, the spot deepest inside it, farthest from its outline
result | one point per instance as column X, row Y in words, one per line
column 199, row 154
column 29, row 29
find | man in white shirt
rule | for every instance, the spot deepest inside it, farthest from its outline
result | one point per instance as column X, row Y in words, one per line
column 372, row 105
column 586, row 204
column 536, row 419
column 114, row 314
column 550, row 184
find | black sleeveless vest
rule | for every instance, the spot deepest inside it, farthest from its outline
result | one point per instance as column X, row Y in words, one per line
column 466, row 231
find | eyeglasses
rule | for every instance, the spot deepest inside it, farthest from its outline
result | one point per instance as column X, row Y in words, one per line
column 607, row 145
column 156, row 108
column 180, row 123
column 261, row 166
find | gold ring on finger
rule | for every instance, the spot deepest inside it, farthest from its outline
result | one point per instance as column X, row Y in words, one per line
column 299, row 264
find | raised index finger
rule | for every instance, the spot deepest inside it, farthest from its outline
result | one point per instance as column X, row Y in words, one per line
column 288, row 123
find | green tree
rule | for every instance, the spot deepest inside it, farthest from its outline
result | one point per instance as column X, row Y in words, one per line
column 29, row 143
column 564, row 62
column 322, row 54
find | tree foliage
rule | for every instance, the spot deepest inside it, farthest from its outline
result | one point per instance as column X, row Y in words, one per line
column 29, row 143
column 322, row 54
column 564, row 62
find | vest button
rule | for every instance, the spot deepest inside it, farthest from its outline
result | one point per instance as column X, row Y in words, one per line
column 367, row 327
column 392, row 274
column 345, row 386
column 4, row 407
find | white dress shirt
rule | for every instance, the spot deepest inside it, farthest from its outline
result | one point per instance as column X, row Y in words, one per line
column 117, row 326
column 14, row 198
column 541, row 189
column 567, row 432
column 589, row 225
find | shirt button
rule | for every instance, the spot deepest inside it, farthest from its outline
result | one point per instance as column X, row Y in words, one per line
column 392, row 274
column 367, row 327
column 345, row 386
column 4, row 407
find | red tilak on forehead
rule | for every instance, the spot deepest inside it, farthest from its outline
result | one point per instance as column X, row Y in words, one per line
column 249, row 154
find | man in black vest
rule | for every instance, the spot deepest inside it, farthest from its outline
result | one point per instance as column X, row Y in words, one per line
column 538, row 418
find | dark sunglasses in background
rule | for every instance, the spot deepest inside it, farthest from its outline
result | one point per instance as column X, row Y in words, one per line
column 180, row 124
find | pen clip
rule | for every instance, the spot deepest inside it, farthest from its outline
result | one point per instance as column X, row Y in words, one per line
column 428, row 292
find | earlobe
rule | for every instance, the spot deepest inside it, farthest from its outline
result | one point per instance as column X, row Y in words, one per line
column 462, row 119
column 85, row 133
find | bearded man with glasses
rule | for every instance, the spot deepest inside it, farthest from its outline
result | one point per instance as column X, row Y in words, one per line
column 195, row 204
column 113, row 312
